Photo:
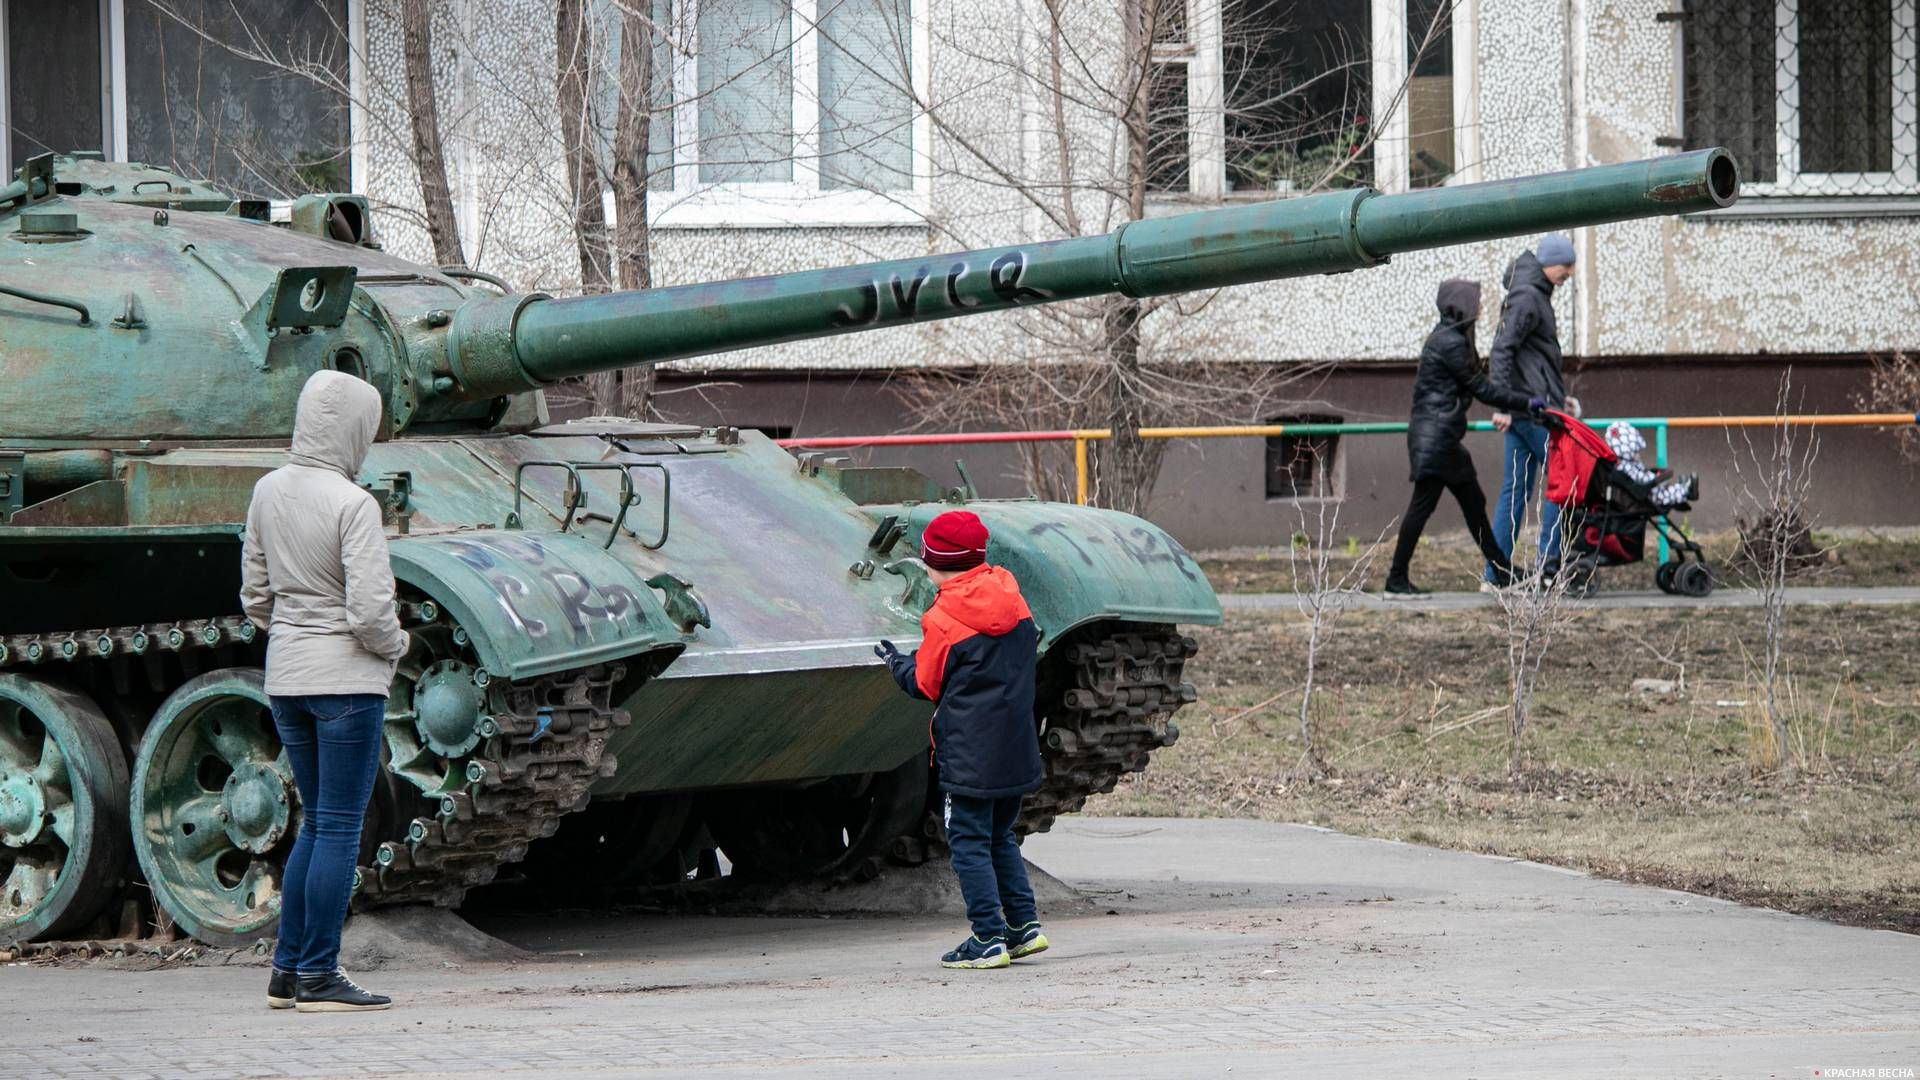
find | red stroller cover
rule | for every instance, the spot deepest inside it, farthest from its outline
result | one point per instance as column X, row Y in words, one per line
column 1574, row 451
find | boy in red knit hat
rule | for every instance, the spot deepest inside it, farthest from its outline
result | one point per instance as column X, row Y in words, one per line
column 976, row 663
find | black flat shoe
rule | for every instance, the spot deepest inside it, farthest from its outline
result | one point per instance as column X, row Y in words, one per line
column 335, row 993
column 1403, row 587
column 280, row 989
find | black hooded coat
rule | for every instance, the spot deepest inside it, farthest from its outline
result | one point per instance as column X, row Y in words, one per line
column 1449, row 379
column 1526, row 349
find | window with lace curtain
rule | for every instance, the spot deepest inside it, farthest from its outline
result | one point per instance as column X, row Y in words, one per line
column 173, row 86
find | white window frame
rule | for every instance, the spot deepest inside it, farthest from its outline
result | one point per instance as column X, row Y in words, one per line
column 1203, row 55
column 112, row 109
column 1790, row 180
column 799, row 202
column 113, row 87
column 1392, row 63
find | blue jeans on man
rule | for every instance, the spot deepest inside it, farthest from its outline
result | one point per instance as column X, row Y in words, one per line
column 987, row 860
column 1523, row 455
column 333, row 745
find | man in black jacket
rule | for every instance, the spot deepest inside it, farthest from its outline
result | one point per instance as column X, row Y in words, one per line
column 1525, row 359
column 1449, row 379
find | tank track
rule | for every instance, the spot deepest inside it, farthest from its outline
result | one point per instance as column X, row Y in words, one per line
column 547, row 747
column 32, row 650
column 1113, row 706
column 1116, row 709
column 517, row 788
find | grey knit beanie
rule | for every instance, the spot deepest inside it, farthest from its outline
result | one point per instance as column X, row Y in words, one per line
column 1554, row 250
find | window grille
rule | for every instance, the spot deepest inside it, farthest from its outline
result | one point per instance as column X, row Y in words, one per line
column 1814, row 97
column 1302, row 466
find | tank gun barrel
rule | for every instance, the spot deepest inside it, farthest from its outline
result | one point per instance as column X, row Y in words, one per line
column 512, row 343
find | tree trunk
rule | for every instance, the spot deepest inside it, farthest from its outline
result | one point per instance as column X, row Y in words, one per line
column 633, row 133
column 1132, row 463
column 573, row 42
column 424, row 111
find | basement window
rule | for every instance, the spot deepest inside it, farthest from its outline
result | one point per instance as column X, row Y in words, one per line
column 1303, row 466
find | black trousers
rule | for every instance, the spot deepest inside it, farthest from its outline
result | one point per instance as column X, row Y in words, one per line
column 1426, row 496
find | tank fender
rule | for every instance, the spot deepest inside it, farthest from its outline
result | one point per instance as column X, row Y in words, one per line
column 538, row 602
column 1081, row 564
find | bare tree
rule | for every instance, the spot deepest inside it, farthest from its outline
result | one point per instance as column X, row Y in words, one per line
column 1532, row 612
column 1894, row 387
column 1323, row 592
column 632, row 388
column 1773, row 484
column 1105, row 91
column 423, row 110
column 574, row 55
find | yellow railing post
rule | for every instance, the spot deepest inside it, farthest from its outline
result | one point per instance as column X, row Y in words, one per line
column 1080, row 471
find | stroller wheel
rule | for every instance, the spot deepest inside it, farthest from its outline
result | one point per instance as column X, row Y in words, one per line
column 1583, row 578
column 1663, row 576
column 1693, row 579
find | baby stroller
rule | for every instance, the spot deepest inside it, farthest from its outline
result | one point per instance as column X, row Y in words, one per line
column 1605, row 514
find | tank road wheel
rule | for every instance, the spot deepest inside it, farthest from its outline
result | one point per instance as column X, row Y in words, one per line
column 436, row 710
column 834, row 827
column 215, row 808
column 63, row 809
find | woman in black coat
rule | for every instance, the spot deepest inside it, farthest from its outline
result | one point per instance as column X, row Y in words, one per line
column 1450, row 378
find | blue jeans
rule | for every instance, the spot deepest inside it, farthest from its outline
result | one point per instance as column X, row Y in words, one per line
column 1521, row 460
column 333, row 744
column 993, row 876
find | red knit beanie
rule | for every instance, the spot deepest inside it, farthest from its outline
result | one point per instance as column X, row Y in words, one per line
column 956, row 540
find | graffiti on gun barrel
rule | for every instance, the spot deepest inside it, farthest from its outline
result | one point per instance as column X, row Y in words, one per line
column 1148, row 547
column 502, row 561
column 1004, row 276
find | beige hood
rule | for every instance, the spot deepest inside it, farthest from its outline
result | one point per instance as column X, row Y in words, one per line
column 335, row 423
column 314, row 571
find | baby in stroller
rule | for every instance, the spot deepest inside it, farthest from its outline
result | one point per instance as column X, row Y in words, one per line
column 1626, row 443
column 1608, row 499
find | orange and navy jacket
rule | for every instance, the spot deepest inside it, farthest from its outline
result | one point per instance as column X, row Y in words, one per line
column 976, row 661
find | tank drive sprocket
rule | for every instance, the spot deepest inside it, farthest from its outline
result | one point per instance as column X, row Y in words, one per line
column 499, row 764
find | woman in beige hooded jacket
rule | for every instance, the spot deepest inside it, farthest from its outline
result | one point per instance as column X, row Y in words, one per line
column 315, row 576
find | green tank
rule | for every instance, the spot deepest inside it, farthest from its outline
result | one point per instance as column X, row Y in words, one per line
column 634, row 645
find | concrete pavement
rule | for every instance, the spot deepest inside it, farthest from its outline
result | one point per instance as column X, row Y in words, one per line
column 1204, row 948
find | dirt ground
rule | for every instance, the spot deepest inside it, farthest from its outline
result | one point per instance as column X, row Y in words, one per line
column 1450, row 563
column 1668, row 787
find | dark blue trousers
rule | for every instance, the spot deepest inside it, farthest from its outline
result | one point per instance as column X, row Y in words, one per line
column 993, row 876
column 333, row 745
column 1525, row 455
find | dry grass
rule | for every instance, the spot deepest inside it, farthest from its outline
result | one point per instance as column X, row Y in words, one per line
column 1636, row 786
column 1450, row 563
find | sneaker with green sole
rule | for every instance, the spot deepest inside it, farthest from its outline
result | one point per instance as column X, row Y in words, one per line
column 1025, row 940
column 978, row 954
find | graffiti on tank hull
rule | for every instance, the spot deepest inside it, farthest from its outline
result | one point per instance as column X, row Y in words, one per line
column 1004, row 280
column 501, row 561
column 1144, row 545
column 577, row 600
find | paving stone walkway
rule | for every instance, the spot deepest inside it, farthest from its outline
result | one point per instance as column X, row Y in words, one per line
column 1201, row 948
